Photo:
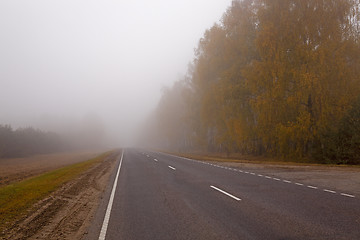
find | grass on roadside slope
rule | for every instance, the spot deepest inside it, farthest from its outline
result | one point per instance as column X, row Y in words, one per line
column 16, row 198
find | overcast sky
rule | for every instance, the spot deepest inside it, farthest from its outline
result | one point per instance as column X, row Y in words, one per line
column 61, row 60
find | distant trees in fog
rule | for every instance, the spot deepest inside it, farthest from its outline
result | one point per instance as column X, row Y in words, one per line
column 28, row 141
column 275, row 77
column 88, row 134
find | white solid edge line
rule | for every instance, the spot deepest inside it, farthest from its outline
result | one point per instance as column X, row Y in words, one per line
column 226, row 193
column 111, row 200
column 172, row 167
column 347, row 195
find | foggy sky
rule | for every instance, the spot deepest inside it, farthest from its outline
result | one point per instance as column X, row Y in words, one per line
column 61, row 60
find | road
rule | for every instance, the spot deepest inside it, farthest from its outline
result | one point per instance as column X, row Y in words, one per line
column 160, row 196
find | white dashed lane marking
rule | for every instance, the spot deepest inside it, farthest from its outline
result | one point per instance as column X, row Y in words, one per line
column 226, row 193
column 347, row 195
column 268, row 177
column 330, row 191
column 172, row 168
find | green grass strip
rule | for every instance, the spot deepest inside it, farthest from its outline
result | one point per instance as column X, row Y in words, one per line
column 16, row 198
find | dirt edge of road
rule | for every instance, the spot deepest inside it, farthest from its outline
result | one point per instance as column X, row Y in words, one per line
column 67, row 212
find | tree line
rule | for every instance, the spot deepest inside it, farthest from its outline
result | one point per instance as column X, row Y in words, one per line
column 28, row 141
column 274, row 77
column 87, row 134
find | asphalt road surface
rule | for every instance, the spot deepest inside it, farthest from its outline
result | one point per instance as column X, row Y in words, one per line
column 159, row 196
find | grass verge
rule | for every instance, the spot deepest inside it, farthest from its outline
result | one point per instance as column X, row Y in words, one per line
column 17, row 198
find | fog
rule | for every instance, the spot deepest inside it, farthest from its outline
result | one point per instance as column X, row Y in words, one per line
column 63, row 61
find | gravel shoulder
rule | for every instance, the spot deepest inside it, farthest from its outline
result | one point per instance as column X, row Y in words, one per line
column 67, row 212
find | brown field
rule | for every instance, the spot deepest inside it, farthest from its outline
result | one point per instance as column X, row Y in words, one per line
column 17, row 169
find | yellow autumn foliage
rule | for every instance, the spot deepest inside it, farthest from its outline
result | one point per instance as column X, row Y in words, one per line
column 271, row 78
